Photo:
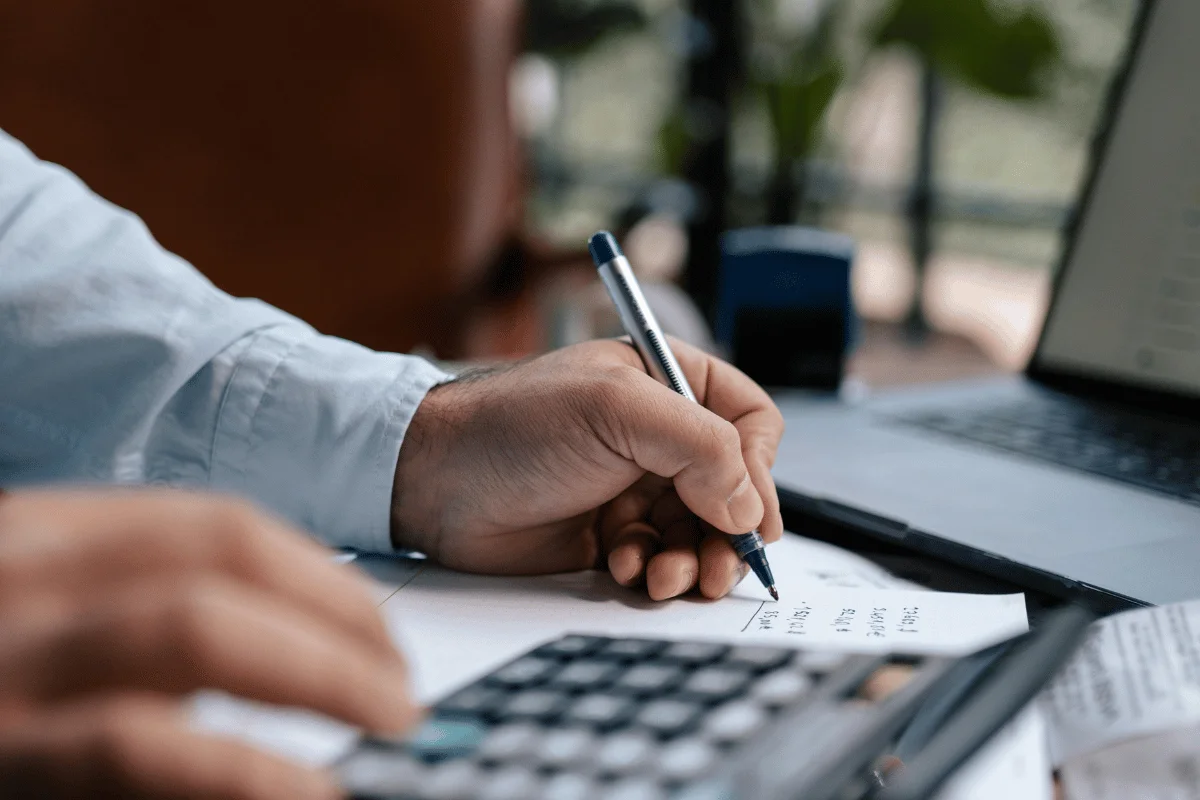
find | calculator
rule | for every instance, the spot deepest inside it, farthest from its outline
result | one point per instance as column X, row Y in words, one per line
column 598, row 718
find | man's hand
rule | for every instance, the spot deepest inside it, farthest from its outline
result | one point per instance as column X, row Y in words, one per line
column 113, row 606
column 579, row 458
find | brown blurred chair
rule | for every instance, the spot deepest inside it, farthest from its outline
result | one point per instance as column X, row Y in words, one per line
column 351, row 161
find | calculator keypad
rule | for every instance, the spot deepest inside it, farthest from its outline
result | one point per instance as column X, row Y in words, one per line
column 588, row 718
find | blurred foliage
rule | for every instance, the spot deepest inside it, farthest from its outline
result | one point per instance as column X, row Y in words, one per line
column 566, row 28
column 798, row 82
column 1005, row 54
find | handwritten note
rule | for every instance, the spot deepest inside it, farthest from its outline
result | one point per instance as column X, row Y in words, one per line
column 456, row 627
column 889, row 620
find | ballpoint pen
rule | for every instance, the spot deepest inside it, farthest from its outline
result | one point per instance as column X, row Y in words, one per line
column 643, row 328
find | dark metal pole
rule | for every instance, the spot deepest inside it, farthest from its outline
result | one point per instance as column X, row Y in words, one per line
column 713, row 68
column 921, row 203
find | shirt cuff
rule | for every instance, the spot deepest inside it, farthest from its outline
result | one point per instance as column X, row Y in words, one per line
column 310, row 427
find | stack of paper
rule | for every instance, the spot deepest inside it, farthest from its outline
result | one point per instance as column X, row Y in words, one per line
column 454, row 628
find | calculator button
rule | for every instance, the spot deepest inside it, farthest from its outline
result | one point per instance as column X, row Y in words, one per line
column 734, row 722
column 511, row 783
column 635, row 789
column 821, row 661
column 533, row 706
column 376, row 773
column 686, row 759
column 572, row 646
column 568, row 786
column 442, row 739
column 510, row 742
column 566, row 746
column 453, row 780
column 650, row 679
column 714, row 684
column 522, row 673
column 587, row 674
column 600, row 710
column 473, row 701
column 623, row 753
column 693, row 653
column 631, row 649
column 761, row 658
column 668, row 717
column 781, row 688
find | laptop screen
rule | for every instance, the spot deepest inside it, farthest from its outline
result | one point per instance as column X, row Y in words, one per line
column 1128, row 303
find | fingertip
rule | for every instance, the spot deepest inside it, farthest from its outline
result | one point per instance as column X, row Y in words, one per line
column 668, row 577
column 720, row 567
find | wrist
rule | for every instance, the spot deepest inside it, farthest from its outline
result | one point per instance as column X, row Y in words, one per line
column 414, row 525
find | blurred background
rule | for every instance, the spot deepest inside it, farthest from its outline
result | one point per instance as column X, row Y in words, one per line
column 424, row 176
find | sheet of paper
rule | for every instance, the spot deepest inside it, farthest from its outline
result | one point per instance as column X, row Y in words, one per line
column 1162, row 767
column 456, row 627
column 1137, row 673
column 1015, row 764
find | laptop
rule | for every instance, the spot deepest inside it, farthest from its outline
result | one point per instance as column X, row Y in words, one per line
column 1080, row 477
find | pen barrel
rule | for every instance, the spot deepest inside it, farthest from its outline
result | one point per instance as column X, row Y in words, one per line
column 747, row 543
column 641, row 325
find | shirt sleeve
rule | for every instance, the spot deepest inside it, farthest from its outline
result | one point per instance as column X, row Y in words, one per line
column 120, row 363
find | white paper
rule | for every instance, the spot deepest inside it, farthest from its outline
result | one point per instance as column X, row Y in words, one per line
column 455, row 627
column 1137, row 673
column 1015, row 765
column 1162, row 767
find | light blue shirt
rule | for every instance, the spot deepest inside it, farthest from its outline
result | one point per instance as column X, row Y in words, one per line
column 120, row 363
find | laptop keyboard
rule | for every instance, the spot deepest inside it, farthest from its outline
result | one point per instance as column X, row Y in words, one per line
column 1100, row 441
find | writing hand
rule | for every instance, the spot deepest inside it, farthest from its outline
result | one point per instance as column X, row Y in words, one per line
column 579, row 458
column 115, row 605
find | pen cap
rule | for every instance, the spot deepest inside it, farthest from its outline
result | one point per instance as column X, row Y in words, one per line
column 604, row 248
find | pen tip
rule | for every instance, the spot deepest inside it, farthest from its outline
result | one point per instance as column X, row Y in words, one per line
column 774, row 593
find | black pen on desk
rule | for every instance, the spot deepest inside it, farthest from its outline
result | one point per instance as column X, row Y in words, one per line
column 643, row 328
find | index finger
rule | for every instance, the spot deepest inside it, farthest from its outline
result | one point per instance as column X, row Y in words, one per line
column 732, row 395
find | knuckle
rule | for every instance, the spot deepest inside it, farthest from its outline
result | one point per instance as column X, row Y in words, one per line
column 193, row 625
column 237, row 528
column 726, row 442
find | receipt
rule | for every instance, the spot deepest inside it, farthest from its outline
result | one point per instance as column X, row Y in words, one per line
column 1136, row 674
column 1163, row 767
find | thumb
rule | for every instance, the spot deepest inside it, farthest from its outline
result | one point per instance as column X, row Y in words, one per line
column 671, row 436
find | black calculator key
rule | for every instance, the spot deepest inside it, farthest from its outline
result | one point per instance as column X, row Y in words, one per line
column 523, row 672
column 631, row 649
column 586, row 674
column 693, row 653
column 668, row 717
column 761, row 658
column 535, row 705
column 571, row 646
column 714, row 684
column 600, row 710
column 648, row 679
column 473, row 701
